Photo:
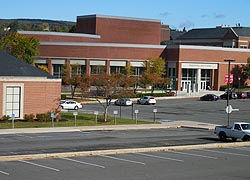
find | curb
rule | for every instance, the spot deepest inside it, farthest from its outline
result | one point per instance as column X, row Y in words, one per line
column 120, row 151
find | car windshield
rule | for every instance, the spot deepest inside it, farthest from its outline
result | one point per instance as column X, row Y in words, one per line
column 245, row 126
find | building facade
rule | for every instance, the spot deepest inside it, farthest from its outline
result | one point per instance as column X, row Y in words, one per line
column 25, row 89
column 110, row 43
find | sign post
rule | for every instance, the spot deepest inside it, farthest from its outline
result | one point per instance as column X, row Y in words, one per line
column 115, row 113
column 75, row 113
column 96, row 114
column 13, row 120
column 52, row 118
column 154, row 111
column 136, row 112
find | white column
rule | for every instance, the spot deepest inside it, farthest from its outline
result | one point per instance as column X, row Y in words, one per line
column 198, row 80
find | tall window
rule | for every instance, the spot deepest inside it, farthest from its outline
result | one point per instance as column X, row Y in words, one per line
column 97, row 69
column 78, row 69
column 13, row 96
column 57, row 70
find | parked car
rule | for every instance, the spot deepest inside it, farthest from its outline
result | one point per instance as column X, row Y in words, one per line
column 241, row 95
column 71, row 105
column 232, row 95
column 123, row 102
column 146, row 100
column 62, row 101
column 209, row 97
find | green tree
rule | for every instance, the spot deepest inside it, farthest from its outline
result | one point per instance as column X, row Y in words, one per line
column 246, row 68
column 20, row 46
column 156, row 71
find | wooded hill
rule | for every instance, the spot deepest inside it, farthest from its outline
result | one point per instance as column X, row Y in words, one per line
column 36, row 25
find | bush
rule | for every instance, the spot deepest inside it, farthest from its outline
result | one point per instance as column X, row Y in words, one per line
column 29, row 117
column 5, row 117
column 43, row 117
column 63, row 96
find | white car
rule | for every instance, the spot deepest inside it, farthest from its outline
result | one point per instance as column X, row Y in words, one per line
column 146, row 100
column 71, row 105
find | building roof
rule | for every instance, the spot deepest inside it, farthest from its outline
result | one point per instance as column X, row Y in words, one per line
column 11, row 66
column 205, row 33
column 242, row 31
column 215, row 33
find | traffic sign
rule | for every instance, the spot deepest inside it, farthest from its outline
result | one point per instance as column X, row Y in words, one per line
column 231, row 78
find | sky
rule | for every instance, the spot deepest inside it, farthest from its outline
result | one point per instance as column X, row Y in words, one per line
column 175, row 13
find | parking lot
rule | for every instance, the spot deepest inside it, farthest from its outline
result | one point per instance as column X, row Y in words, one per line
column 221, row 163
column 191, row 109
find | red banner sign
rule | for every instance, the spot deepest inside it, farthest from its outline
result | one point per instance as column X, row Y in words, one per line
column 231, row 78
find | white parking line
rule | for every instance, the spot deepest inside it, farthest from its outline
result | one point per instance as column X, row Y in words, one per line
column 191, row 154
column 120, row 159
column 239, row 148
column 47, row 167
column 21, row 135
column 160, row 157
column 5, row 173
column 236, row 154
column 81, row 162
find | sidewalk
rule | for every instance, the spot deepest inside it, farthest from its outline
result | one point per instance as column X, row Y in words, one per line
column 172, row 124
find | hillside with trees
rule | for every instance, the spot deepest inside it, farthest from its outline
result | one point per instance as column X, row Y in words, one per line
column 36, row 25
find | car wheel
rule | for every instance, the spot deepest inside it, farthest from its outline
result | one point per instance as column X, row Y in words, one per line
column 76, row 107
column 147, row 103
column 246, row 138
column 62, row 107
column 222, row 136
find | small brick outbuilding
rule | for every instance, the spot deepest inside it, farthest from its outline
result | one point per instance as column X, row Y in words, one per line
column 25, row 89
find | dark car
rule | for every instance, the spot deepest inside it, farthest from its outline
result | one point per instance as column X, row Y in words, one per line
column 241, row 95
column 209, row 97
column 232, row 95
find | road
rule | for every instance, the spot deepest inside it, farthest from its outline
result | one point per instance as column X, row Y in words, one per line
column 191, row 109
column 13, row 144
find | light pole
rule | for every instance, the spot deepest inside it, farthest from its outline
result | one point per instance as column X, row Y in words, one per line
column 228, row 85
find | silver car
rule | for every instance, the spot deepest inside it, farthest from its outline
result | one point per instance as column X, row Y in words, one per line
column 123, row 102
column 146, row 100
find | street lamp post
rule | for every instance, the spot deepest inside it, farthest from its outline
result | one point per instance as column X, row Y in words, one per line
column 228, row 85
column 238, row 85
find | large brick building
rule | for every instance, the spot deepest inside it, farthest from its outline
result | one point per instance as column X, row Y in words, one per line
column 110, row 43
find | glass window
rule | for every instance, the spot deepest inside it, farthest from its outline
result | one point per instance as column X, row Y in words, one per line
column 97, row 69
column 13, row 95
column 57, row 70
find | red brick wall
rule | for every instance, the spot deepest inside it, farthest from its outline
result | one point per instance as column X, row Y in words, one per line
column 100, row 52
column 41, row 97
column 121, row 30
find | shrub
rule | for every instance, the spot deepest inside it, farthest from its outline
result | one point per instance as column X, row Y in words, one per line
column 63, row 96
column 223, row 87
column 43, row 117
column 29, row 117
column 5, row 117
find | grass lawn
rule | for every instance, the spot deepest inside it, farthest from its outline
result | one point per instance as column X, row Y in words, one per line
column 68, row 120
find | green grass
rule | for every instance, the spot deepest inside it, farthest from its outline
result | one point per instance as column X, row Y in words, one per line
column 68, row 120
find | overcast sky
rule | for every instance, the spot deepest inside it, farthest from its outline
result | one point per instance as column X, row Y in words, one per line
column 176, row 13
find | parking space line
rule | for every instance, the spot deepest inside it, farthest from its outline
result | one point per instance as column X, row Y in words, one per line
column 38, row 165
column 236, row 154
column 5, row 173
column 160, row 157
column 239, row 148
column 82, row 162
column 191, row 154
column 21, row 135
column 120, row 159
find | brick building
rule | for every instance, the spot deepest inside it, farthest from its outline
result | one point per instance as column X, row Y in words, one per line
column 25, row 89
column 110, row 43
